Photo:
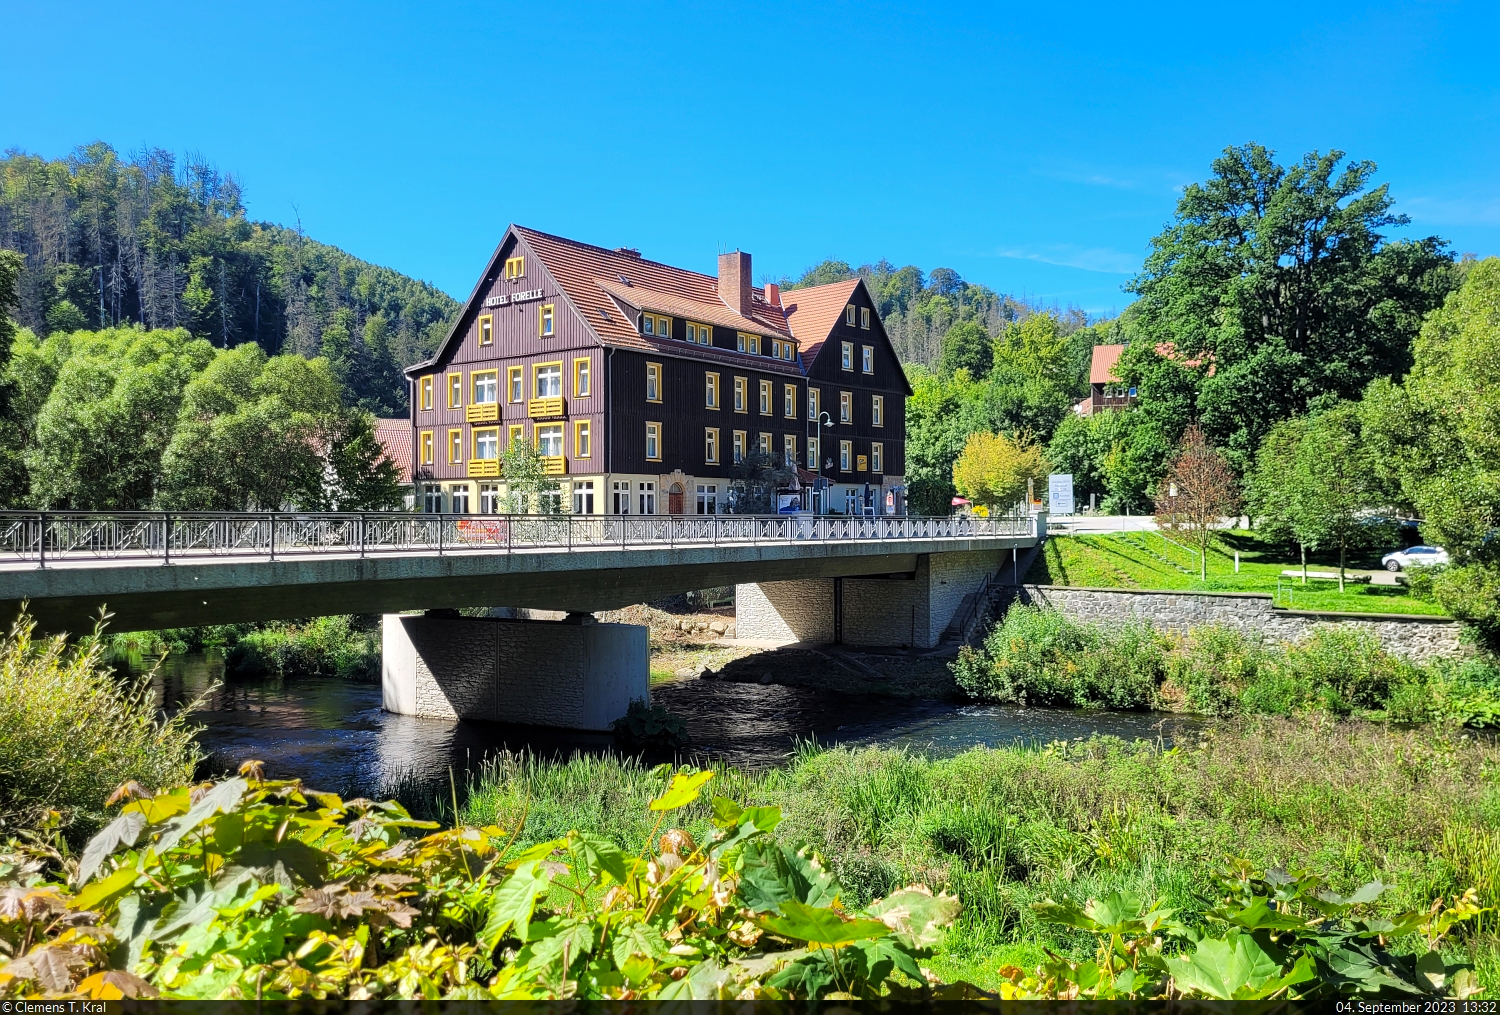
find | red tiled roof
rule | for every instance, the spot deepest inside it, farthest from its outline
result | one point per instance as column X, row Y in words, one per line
column 395, row 436
column 717, row 312
column 812, row 313
column 1101, row 368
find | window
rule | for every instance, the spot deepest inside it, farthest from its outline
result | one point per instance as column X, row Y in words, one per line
column 765, row 398
column 708, row 498
column 739, row 445
column 653, row 382
column 790, row 349
column 648, row 324
column 426, row 445
column 514, row 434
column 549, row 440
column 739, row 394
column 846, row 361
column 621, row 491
column 581, row 448
column 455, row 391
column 547, row 381
column 877, row 457
column 455, row 446
column 432, row 498
column 789, row 401
column 513, row 382
column 487, row 329
column 776, row 347
column 487, row 443
column 489, row 498
column 846, row 451
column 789, row 449
column 424, row 393
column 867, row 358
column 711, row 445
column 458, row 498
column 812, row 452
column 583, row 497
column 661, row 327
column 546, row 321
column 483, row 383
column 515, row 267
column 580, row 378
column 710, row 391
column 765, row 444
column 653, row 446
column 647, row 493
column 813, row 408
column 702, row 334
column 846, row 407
column 849, row 315
column 748, row 343
column 877, row 410
column 864, row 318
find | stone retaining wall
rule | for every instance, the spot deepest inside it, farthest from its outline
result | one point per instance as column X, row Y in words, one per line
column 1415, row 638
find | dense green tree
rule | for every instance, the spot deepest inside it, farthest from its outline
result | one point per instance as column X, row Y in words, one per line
column 1032, row 381
column 994, row 470
column 530, row 489
column 1280, row 282
column 1438, row 435
column 967, row 346
column 754, row 480
column 13, row 480
column 149, row 240
column 940, row 416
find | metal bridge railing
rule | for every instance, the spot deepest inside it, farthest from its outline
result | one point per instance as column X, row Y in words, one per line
column 48, row 536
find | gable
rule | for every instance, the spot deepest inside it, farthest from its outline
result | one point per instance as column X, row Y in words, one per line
column 816, row 316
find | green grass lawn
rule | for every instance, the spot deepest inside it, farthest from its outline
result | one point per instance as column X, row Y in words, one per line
column 1147, row 560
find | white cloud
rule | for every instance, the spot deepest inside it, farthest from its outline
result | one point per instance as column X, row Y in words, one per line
column 1067, row 255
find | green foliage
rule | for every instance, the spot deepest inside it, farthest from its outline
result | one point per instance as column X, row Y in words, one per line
column 253, row 887
column 994, row 469
column 169, row 245
column 966, row 346
column 1280, row 278
column 650, row 727
column 531, row 489
column 337, row 646
column 940, row 415
column 70, row 732
column 754, row 480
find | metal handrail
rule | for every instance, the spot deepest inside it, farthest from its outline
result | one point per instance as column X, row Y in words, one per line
column 47, row 537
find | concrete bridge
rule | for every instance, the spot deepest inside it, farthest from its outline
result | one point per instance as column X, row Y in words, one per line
column 858, row 580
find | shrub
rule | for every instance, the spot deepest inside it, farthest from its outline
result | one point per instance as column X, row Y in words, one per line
column 1346, row 668
column 71, row 731
column 337, row 646
column 650, row 727
column 1213, row 666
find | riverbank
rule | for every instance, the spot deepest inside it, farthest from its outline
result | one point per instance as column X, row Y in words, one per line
column 1004, row 828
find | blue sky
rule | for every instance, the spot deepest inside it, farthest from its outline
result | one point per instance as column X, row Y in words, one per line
column 1035, row 148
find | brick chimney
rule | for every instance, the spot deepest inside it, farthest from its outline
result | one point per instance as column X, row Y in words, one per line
column 773, row 294
column 734, row 281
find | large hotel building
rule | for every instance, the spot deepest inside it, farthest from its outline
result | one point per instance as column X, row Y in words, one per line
column 641, row 384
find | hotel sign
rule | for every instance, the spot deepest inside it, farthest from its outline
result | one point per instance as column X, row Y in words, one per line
column 524, row 296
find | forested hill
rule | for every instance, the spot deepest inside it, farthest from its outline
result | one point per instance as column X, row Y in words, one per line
column 116, row 239
column 919, row 308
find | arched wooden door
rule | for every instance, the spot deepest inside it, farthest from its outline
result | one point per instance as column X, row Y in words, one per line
column 675, row 497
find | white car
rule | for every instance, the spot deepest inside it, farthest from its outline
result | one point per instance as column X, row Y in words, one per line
column 1414, row 556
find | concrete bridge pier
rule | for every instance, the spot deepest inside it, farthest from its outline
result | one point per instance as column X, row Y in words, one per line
column 572, row 673
column 907, row 609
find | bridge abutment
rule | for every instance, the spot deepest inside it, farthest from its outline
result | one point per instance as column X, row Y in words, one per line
column 909, row 610
column 569, row 673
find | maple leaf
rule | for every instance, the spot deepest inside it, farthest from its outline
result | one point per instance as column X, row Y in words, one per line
column 51, row 966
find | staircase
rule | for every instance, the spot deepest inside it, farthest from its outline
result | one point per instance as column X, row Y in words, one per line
column 971, row 621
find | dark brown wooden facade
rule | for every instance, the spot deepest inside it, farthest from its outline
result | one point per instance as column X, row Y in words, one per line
column 601, row 358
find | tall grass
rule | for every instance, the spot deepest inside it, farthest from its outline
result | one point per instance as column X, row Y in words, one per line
column 71, row 732
column 1008, row 827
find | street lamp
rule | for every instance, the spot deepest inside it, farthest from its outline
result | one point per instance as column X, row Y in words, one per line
column 818, row 463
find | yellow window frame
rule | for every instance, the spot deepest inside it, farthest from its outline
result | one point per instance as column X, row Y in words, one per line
column 515, row 392
column 424, row 393
column 455, row 445
column 654, row 370
column 767, row 395
column 846, row 356
column 515, row 267
column 705, row 333
column 877, row 410
column 789, row 401
column 546, row 320
column 867, row 359
column 849, row 315
column 583, row 371
column 583, row 439
column 846, row 407
column 814, row 403
column 710, row 445
column 426, row 447
column 711, row 390
column 741, row 395
column 486, row 329
column 536, row 373
column 474, row 442
column 864, row 318
column 765, row 443
column 514, row 432
column 740, row 441
column 455, row 388
column 846, row 455
column 789, row 448
column 474, row 386
column 877, row 457
column 653, row 429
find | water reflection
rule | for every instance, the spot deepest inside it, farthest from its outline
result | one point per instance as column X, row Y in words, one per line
column 334, row 734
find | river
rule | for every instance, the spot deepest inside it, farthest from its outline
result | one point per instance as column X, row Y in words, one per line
column 334, row 734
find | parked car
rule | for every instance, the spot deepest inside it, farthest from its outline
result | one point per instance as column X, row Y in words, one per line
column 1414, row 556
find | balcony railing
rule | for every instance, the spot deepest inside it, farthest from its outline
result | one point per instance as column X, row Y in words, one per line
column 545, row 408
column 555, row 465
column 479, row 468
column 483, row 412
column 49, row 537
